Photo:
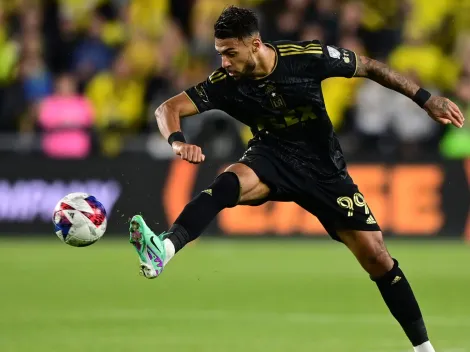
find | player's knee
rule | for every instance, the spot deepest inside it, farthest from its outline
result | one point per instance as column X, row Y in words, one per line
column 225, row 189
column 379, row 263
column 252, row 190
column 375, row 257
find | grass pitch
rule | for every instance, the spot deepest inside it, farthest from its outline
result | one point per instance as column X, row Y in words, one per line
column 228, row 296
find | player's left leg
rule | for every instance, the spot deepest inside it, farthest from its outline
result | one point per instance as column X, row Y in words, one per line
column 372, row 254
column 339, row 206
column 238, row 185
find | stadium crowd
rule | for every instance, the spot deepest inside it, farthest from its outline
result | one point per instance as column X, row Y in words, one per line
column 83, row 77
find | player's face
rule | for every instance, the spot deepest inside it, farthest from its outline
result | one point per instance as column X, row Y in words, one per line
column 237, row 56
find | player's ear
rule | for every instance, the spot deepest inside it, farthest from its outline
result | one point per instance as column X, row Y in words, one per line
column 256, row 44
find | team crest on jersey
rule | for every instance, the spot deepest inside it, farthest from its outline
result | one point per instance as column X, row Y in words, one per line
column 277, row 101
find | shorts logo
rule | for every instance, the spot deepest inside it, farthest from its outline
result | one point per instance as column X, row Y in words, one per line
column 208, row 191
column 371, row 220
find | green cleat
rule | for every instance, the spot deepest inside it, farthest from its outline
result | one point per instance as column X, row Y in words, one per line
column 149, row 247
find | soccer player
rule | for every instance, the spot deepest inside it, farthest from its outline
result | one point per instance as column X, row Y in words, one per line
column 275, row 89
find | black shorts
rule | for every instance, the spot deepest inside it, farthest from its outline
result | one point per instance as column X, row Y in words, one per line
column 338, row 204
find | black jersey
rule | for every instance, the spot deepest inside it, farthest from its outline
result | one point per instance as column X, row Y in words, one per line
column 288, row 103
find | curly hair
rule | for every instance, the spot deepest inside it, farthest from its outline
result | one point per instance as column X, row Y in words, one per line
column 236, row 22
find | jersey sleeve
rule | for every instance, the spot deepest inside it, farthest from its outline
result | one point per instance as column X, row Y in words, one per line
column 337, row 62
column 208, row 95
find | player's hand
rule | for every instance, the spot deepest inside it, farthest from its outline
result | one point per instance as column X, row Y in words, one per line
column 444, row 111
column 189, row 152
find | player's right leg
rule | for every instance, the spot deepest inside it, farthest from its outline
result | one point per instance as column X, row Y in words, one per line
column 237, row 185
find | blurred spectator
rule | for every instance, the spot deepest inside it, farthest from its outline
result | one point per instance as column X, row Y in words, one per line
column 13, row 106
column 172, row 72
column 149, row 17
column 31, row 18
column 462, row 52
column 9, row 52
column 117, row 100
column 61, row 39
column 429, row 62
column 11, row 91
column 387, row 119
column 201, row 22
column 382, row 25
column 36, row 77
column 165, row 46
column 141, row 55
column 350, row 18
column 181, row 12
column 92, row 55
column 284, row 19
column 65, row 119
column 313, row 31
column 37, row 80
column 79, row 11
column 425, row 20
column 325, row 13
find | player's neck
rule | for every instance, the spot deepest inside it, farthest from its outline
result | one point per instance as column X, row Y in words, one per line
column 267, row 62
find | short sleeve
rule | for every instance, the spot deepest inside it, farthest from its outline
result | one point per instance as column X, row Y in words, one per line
column 208, row 95
column 338, row 62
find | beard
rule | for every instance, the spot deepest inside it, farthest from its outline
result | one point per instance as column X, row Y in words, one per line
column 250, row 66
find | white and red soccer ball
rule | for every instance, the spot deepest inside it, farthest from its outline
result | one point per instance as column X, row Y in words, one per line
column 79, row 219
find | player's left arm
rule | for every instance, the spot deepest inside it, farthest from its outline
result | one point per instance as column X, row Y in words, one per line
column 438, row 108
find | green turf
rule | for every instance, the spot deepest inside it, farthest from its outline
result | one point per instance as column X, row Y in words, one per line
column 224, row 296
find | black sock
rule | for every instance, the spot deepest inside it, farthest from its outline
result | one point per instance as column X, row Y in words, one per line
column 223, row 193
column 399, row 297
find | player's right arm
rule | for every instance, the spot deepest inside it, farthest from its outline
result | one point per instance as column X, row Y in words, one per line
column 168, row 117
column 169, row 113
column 202, row 97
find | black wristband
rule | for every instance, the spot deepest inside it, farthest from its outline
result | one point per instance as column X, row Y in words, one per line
column 176, row 137
column 421, row 97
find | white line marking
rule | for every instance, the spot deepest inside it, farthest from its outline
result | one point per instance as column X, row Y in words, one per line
column 201, row 314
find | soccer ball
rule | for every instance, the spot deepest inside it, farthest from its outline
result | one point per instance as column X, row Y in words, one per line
column 79, row 219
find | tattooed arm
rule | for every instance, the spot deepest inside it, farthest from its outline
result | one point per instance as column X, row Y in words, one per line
column 438, row 108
